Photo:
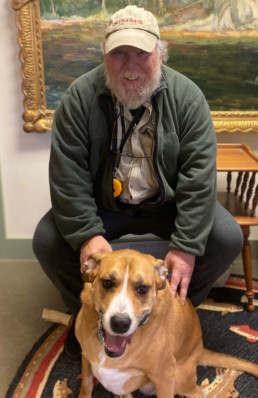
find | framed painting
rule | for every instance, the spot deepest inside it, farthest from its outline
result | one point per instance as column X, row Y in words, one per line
column 215, row 46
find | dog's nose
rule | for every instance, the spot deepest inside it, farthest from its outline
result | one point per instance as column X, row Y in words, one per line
column 120, row 324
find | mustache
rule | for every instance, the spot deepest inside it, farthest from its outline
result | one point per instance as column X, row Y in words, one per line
column 131, row 97
column 132, row 75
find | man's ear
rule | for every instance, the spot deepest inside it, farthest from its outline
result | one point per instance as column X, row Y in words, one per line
column 90, row 267
column 160, row 274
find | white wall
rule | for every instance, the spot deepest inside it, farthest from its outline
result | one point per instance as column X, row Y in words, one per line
column 24, row 157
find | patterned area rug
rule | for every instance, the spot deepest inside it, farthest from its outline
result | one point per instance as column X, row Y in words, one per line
column 227, row 327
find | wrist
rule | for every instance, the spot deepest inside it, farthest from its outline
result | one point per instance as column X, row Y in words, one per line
column 89, row 240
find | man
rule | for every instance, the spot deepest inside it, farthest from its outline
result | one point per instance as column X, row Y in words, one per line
column 134, row 151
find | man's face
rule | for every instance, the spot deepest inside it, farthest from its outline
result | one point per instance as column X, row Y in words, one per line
column 132, row 74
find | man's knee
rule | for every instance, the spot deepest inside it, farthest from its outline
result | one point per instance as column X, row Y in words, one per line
column 49, row 246
column 44, row 236
column 226, row 233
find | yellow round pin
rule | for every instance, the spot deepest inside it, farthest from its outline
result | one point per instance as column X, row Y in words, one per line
column 117, row 187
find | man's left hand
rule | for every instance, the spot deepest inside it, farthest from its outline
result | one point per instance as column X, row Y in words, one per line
column 182, row 265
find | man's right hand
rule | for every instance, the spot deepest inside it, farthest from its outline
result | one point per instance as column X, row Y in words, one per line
column 96, row 244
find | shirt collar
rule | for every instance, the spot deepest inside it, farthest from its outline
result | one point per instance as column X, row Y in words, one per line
column 127, row 114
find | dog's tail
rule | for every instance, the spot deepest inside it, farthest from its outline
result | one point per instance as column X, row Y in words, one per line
column 210, row 358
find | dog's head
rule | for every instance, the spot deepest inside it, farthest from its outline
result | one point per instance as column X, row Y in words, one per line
column 124, row 289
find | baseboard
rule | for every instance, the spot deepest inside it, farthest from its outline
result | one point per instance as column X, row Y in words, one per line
column 238, row 269
column 16, row 249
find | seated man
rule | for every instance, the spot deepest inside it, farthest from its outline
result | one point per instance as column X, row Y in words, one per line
column 134, row 151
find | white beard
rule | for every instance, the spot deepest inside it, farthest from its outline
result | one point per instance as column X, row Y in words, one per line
column 135, row 97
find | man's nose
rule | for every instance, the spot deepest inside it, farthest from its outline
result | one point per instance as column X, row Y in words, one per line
column 130, row 60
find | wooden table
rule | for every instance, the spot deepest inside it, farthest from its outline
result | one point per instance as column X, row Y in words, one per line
column 236, row 157
column 242, row 201
column 239, row 158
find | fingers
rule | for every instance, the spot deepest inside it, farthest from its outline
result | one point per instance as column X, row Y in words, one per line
column 182, row 265
column 183, row 289
column 175, row 281
column 182, row 282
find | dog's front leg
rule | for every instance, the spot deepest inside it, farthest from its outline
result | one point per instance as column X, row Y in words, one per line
column 165, row 389
column 164, row 382
column 87, row 379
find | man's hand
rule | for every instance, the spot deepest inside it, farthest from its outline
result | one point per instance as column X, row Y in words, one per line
column 96, row 244
column 182, row 265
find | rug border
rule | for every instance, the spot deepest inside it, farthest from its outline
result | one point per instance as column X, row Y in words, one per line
column 24, row 364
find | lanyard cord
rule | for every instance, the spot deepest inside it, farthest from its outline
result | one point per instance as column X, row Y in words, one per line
column 126, row 134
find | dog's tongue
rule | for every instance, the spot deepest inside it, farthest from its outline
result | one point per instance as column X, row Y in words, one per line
column 116, row 344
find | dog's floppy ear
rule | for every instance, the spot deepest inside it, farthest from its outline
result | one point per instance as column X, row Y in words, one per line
column 90, row 267
column 161, row 274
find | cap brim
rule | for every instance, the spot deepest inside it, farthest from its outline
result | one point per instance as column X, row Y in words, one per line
column 131, row 37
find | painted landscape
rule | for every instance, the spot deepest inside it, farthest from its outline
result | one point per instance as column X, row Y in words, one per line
column 213, row 42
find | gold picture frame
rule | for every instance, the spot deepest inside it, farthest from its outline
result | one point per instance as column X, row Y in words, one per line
column 38, row 118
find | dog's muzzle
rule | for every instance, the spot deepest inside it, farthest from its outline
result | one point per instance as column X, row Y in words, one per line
column 115, row 344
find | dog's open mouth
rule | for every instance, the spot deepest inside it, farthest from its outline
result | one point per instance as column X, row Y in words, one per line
column 115, row 346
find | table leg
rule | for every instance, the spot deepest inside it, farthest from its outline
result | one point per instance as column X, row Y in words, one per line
column 247, row 262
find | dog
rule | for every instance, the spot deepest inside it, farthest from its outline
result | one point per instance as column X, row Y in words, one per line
column 135, row 335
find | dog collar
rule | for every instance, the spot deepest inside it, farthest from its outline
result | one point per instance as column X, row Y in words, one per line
column 145, row 319
column 100, row 331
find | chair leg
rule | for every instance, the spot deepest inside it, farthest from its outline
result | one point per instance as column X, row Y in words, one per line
column 247, row 262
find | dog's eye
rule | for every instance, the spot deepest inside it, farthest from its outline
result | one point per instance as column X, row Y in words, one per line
column 142, row 289
column 107, row 284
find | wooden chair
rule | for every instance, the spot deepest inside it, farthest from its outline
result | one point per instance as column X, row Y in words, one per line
column 241, row 201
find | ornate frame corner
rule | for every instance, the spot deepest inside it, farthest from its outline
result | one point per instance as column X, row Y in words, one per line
column 36, row 116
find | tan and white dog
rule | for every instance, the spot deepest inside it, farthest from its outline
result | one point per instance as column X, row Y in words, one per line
column 134, row 335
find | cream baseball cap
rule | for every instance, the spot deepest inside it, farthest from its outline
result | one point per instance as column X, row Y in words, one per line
column 132, row 26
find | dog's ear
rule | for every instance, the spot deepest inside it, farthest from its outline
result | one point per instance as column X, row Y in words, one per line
column 90, row 267
column 160, row 274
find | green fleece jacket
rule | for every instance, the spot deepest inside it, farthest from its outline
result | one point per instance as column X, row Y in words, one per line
column 184, row 160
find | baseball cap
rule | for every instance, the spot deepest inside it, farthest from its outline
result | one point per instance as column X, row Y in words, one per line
column 132, row 26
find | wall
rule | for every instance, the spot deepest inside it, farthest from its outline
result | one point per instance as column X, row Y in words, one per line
column 24, row 192
column 23, row 157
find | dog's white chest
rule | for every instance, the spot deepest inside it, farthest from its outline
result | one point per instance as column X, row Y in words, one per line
column 113, row 379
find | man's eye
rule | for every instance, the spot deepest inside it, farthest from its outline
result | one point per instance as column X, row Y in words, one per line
column 142, row 289
column 117, row 53
column 142, row 54
column 107, row 284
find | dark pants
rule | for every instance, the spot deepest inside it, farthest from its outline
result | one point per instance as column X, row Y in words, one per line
column 61, row 263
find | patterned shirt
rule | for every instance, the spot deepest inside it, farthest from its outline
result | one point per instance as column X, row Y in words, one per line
column 135, row 168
